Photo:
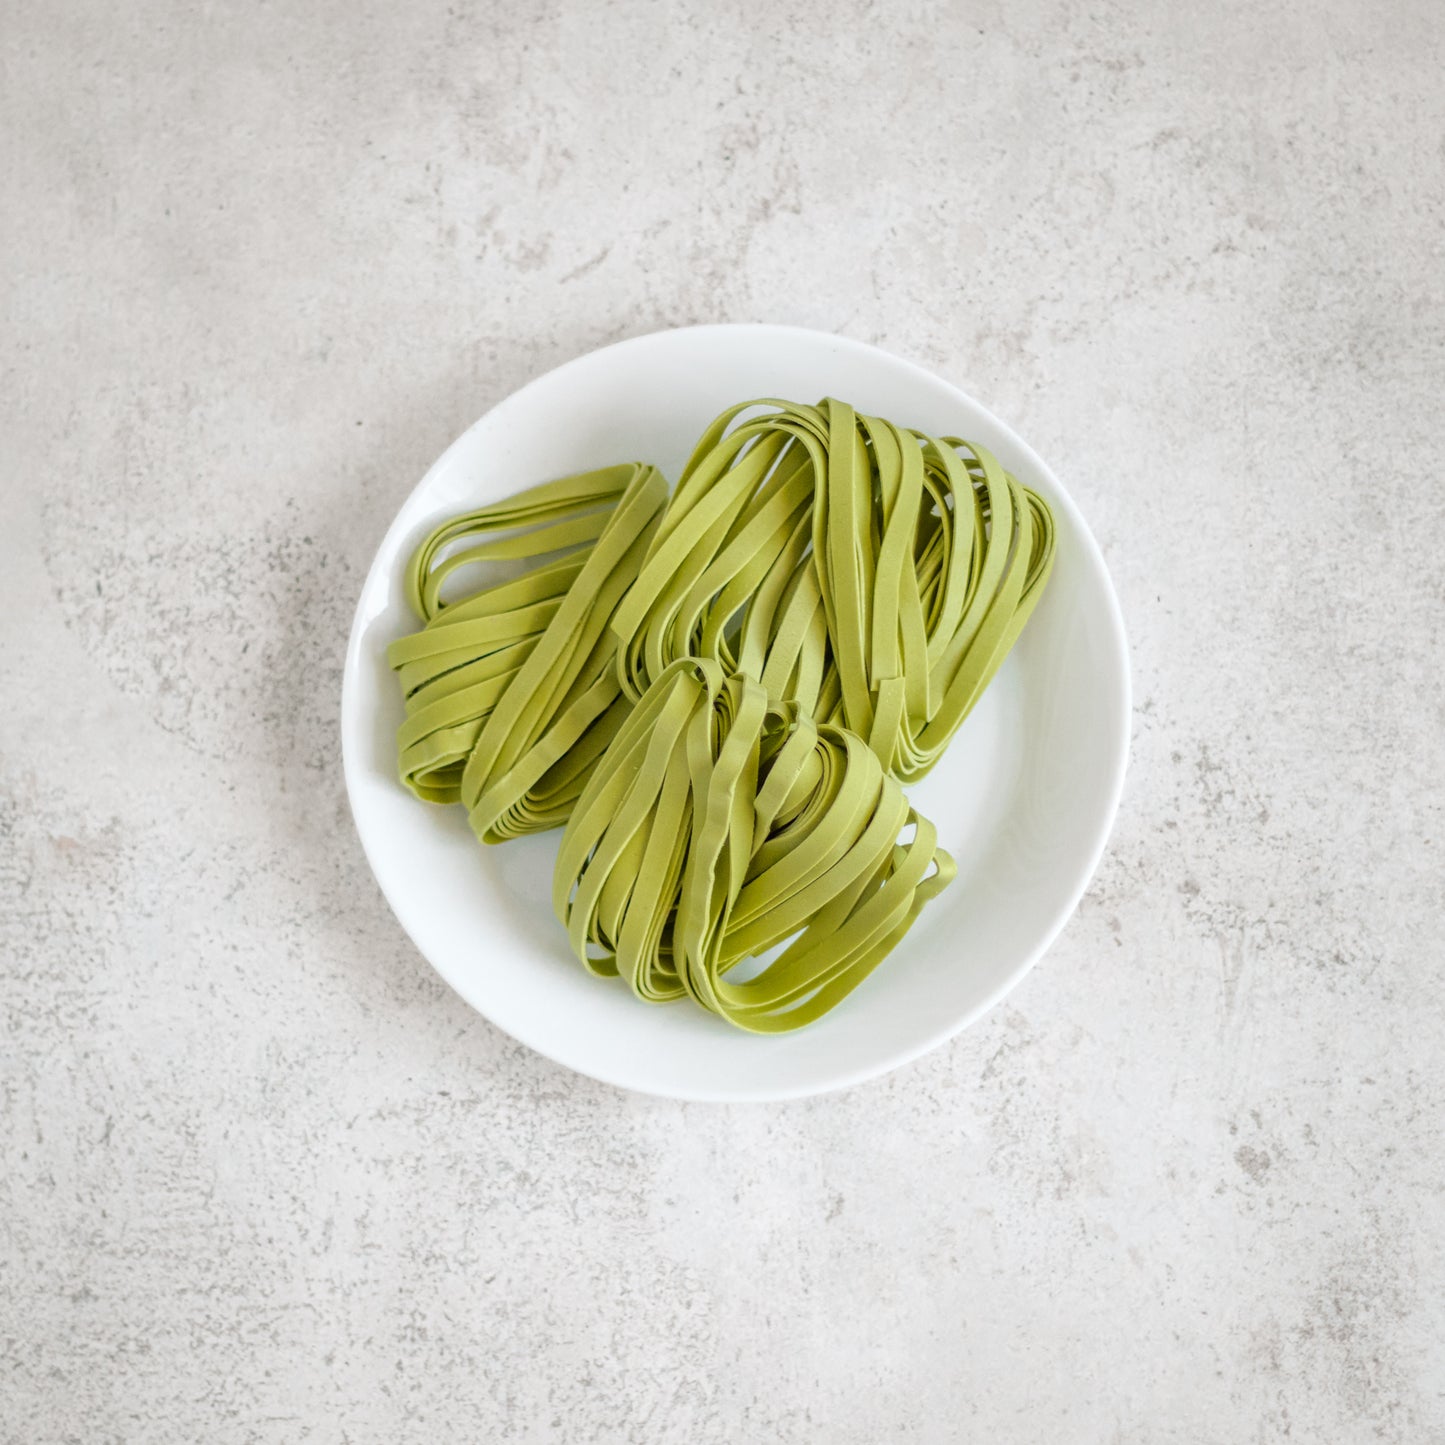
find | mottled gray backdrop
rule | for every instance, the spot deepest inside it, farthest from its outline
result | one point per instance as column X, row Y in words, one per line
column 265, row 1178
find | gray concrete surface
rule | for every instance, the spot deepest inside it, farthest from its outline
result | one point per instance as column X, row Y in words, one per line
column 265, row 1178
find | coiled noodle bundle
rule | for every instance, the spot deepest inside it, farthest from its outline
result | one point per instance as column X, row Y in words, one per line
column 875, row 575
column 719, row 825
column 512, row 693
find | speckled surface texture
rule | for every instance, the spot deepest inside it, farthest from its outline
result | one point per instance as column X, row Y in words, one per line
column 265, row 1178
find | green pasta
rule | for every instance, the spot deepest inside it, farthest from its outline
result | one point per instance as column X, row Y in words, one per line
column 718, row 825
column 720, row 692
column 512, row 693
column 870, row 573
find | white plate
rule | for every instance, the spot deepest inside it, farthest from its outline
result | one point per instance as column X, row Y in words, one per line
column 1024, row 798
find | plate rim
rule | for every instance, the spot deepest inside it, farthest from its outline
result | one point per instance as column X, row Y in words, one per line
column 1092, row 556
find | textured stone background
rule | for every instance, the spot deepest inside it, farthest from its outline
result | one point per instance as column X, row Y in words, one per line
column 265, row 1178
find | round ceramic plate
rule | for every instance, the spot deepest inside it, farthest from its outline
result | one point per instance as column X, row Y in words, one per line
column 1023, row 799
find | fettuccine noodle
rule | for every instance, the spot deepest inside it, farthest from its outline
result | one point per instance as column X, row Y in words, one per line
column 718, row 825
column 512, row 693
column 872, row 574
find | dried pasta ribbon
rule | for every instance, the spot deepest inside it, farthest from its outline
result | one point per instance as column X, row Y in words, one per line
column 721, row 824
column 874, row 575
column 512, row 692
